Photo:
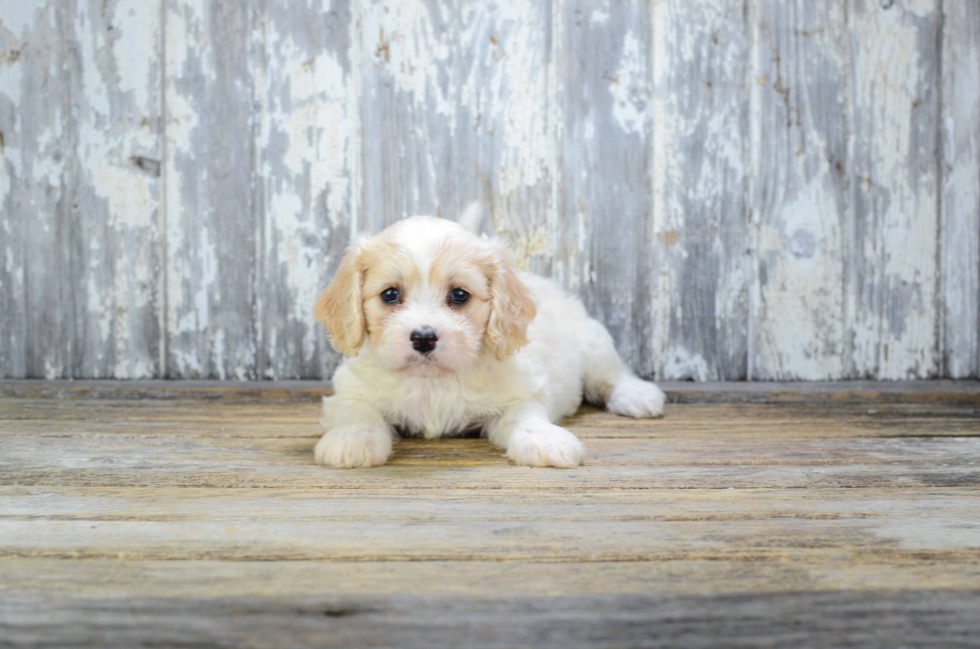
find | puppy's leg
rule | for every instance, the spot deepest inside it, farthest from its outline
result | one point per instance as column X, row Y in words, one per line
column 530, row 438
column 608, row 382
column 357, row 435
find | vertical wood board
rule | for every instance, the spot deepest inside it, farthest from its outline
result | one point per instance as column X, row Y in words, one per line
column 894, row 180
column 210, row 181
column 799, row 200
column 700, row 54
column 115, row 76
column 308, row 154
column 961, row 188
column 35, row 171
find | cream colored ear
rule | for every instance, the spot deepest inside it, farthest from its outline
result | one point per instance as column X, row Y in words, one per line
column 512, row 309
column 340, row 307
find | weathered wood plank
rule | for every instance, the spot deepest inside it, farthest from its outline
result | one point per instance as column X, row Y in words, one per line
column 853, row 392
column 508, row 525
column 800, row 194
column 961, row 188
column 307, row 176
column 701, row 220
column 116, row 80
column 210, row 184
column 611, row 463
column 606, row 194
column 859, row 618
column 455, row 100
column 704, row 423
column 95, row 580
column 35, row 189
column 892, row 282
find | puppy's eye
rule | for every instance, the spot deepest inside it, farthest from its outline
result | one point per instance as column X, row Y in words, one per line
column 458, row 296
column 391, row 296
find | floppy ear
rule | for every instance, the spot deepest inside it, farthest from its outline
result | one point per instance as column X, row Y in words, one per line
column 512, row 309
column 340, row 307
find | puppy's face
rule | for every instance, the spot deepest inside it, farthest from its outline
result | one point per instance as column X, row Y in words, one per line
column 430, row 296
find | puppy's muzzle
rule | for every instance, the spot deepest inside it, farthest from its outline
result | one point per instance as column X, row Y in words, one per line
column 423, row 340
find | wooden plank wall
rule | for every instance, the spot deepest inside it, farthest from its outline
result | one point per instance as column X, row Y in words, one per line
column 751, row 189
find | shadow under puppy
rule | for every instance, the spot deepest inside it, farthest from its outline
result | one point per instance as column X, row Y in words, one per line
column 444, row 334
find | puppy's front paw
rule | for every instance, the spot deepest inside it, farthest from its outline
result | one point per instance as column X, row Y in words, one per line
column 633, row 397
column 545, row 445
column 353, row 447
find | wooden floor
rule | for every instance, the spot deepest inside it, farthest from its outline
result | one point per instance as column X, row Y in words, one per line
column 773, row 515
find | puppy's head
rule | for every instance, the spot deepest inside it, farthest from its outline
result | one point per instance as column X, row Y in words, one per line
column 430, row 296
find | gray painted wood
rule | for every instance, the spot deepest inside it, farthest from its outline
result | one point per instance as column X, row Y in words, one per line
column 456, row 108
column 210, row 169
column 894, row 182
column 764, row 190
column 36, row 163
column 306, row 177
column 800, row 203
column 961, row 188
column 607, row 195
column 115, row 187
column 701, row 57
column 805, row 619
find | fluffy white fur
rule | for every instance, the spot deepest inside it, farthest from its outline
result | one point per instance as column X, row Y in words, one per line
column 513, row 362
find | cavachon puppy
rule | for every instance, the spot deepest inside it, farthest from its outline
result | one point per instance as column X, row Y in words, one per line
column 443, row 334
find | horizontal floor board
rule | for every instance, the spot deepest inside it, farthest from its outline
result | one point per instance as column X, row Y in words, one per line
column 677, row 391
column 785, row 421
column 919, row 617
column 107, row 579
column 250, row 525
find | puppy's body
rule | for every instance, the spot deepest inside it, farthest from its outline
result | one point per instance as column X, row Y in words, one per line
column 502, row 368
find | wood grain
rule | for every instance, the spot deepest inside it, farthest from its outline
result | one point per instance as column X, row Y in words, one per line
column 606, row 147
column 211, row 220
column 191, row 521
column 36, row 333
column 115, row 74
column 800, row 194
column 764, row 189
column 701, row 227
column 960, row 224
column 307, row 150
column 894, row 181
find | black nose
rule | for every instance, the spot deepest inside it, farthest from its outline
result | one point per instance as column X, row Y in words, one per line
column 423, row 340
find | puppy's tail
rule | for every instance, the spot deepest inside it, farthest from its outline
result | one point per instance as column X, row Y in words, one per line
column 472, row 217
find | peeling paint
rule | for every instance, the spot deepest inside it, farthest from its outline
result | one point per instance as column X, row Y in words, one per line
column 760, row 189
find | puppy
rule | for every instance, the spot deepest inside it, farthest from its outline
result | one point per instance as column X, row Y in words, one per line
column 443, row 334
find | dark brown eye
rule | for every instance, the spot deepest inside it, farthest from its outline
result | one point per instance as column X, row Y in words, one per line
column 458, row 296
column 391, row 296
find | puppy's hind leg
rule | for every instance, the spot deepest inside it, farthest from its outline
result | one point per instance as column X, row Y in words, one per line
column 609, row 383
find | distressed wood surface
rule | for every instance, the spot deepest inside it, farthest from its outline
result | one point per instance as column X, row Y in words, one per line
column 894, row 180
column 192, row 522
column 307, row 176
column 211, row 213
column 605, row 153
column 115, row 75
column 764, row 190
column 700, row 59
column 35, row 194
column 961, row 188
column 800, row 139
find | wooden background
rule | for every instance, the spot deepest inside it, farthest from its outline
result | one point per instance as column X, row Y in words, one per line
column 762, row 189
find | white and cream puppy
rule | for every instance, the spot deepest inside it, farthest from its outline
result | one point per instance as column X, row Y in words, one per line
column 443, row 335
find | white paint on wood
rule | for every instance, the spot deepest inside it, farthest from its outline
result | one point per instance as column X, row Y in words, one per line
column 700, row 231
column 763, row 189
column 115, row 81
column 961, row 188
column 308, row 149
column 800, row 206
column 894, row 184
